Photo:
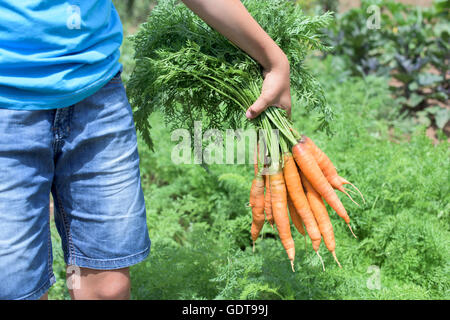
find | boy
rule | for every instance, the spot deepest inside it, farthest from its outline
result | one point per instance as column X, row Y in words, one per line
column 66, row 127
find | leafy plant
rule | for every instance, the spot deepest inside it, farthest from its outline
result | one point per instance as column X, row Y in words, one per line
column 412, row 46
column 421, row 58
column 191, row 72
column 350, row 36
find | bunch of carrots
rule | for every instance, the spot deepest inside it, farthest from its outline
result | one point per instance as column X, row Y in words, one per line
column 304, row 178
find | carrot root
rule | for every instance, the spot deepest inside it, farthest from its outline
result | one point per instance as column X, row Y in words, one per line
column 351, row 184
column 350, row 191
column 351, row 230
column 292, row 266
column 349, row 196
column 321, row 260
column 335, row 258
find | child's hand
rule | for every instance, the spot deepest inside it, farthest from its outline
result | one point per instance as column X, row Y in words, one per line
column 276, row 90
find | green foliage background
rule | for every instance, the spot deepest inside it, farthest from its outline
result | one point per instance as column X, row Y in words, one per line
column 410, row 47
column 200, row 226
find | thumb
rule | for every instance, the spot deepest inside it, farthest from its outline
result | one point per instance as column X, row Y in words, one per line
column 256, row 108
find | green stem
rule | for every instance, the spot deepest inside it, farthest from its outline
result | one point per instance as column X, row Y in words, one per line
column 279, row 124
column 283, row 144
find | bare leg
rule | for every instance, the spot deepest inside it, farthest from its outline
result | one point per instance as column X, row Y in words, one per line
column 44, row 297
column 90, row 284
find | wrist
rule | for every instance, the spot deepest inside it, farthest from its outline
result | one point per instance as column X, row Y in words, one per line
column 278, row 61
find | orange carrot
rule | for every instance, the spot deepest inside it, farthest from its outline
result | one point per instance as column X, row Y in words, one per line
column 295, row 217
column 257, row 205
column 279, row 209
column 268, row 201
column 328, row 169
column 299, row 200
column 321, row 215
column 312, row 172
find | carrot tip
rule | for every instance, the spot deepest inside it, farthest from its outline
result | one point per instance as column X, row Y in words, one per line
column 351, row 230
column 321, row 260
column 292, row 265
column 350, row 197
column 253, row 249
column 347, row 182
column 335, row 258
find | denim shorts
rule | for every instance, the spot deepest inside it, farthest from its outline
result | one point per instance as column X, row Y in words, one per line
column 86, row 155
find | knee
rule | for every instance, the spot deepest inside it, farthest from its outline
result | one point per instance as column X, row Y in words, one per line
column 114, row 288
column 100, row 285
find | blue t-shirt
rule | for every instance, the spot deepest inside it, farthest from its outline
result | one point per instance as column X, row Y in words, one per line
column 55, row 53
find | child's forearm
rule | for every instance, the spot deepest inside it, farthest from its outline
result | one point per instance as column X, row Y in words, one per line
column 231, row 18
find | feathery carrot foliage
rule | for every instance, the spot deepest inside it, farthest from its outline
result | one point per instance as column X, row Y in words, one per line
column 190, row 72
